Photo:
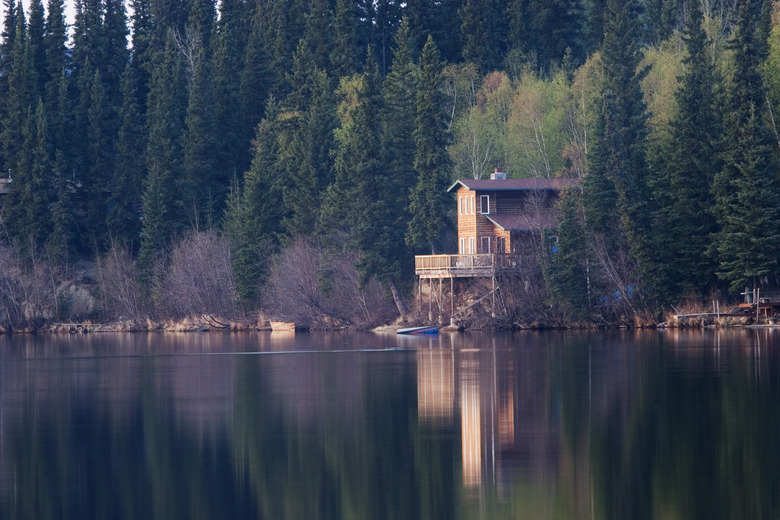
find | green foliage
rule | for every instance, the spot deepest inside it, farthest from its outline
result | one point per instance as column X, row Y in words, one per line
column 687, row 160
column 746, row 187
column 253, row 217
column 617, row 199
column 109, row 142
column 162, row 204
column 565, row 271
column 429, row 202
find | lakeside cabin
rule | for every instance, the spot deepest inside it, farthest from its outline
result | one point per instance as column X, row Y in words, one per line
column 500, row 221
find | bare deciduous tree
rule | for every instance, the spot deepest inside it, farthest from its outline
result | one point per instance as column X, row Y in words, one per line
column 118, row 278
column 315, row 288
column 199, row 280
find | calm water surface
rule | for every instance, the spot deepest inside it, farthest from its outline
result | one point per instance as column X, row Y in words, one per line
column 615, row 425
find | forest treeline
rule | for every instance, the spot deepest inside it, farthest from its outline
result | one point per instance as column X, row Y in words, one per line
column 292, row 156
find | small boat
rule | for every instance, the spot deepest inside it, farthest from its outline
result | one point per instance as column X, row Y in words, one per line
column 430, row 329
column 283, row 326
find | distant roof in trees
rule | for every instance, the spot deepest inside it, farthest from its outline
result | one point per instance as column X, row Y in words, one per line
column 514, row 184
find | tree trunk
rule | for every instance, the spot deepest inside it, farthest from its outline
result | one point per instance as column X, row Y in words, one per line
column 399, row 300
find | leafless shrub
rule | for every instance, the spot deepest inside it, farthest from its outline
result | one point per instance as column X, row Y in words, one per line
column 27, row 288
column 615, row 288
column 118, row 278
column 293, row 288
column 316, row 288
column 199, row 279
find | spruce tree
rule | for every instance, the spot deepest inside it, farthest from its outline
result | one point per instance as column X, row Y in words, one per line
column 344, row 59
column 19, row 99
column 278, row 37
column 746, row 190
column 691, row 160
column 306, row 155
column 28, row 217
column 124, row 213
column 142, row 50
column 6, row 62
column 96, row 174
column 252, row 219
column 55, row 42
column 617, row 168
column 200, row 188
column 399, row 113
column 255, row 81
column 429, row 201
column 36, row 28
column 565, row 270
column 232, row 147
column 162, row 204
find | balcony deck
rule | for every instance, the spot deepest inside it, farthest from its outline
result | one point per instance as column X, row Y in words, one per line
column 465, row 266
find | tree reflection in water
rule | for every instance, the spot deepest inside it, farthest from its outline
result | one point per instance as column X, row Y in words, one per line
column 527, row 425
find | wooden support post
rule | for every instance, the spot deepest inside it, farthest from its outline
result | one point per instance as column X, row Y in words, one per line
column 493, row 296
column 430, row 297
column 441, row 282
column 452, row 300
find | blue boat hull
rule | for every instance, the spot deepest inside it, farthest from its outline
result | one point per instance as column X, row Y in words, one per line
column 431, row 329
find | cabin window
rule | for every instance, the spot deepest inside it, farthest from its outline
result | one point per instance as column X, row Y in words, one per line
column 473, row 204
column 472, row 241
column 500, row 245
column 484, row 245
column 463, row 246
column 484, row 204
column 460, row 205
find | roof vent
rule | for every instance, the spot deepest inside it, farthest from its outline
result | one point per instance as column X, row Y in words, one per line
column 498, row 175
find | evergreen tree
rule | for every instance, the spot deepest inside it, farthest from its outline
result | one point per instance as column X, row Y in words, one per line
column 474, row 35
column 344, row 58
column 252, row 220
column 319, row 37
column 278, row 38
column 399, row 113
column 56, row 60
column 690, row 161
column 142, row 49
column 232, row 146
column 63, row 239
column 617, row 169
column 96, row 173
column 565, row 272
column 255, row 76
column 429, row 202
column 162, row 204
column 115, row 55
column 199, row 187
column 124, row 222
column 6, row 62
column 201, row 21
column 747, row 200
column 27, row 209
column 305, row 155
column 387, row 18
column 19, row 100
column 36, row 27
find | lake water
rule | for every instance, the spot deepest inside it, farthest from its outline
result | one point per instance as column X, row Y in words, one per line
column 525, row 425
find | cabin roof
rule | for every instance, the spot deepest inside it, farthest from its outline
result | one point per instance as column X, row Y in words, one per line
column 514, row 184
column 530, row 222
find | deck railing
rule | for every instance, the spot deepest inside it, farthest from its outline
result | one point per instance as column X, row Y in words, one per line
column 465, row 265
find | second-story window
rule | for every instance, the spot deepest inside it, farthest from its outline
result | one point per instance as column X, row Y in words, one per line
column 484, row 204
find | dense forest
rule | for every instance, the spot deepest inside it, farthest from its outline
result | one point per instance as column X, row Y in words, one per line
column 193, row 157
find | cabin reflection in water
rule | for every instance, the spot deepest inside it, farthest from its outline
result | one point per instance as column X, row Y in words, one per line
column 493, row 445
